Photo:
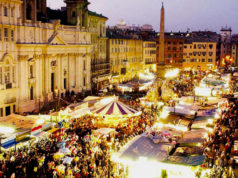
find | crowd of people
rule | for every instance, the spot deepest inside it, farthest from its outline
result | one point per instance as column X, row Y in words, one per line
column 89, row 157
column 218, row 147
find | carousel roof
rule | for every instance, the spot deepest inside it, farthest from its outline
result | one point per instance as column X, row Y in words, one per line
column 114, row 108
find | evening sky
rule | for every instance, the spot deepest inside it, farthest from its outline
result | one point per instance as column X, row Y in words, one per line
column 180, row 15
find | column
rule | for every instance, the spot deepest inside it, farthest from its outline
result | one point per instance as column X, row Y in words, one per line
column 37, row 77
column 88, row 79
column 78, row 73
column 24, row 11
column 59, row 73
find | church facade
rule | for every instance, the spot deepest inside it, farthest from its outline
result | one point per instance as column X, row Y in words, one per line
column 41, row 58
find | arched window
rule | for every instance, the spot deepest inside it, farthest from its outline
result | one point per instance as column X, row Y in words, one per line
column 8, row 72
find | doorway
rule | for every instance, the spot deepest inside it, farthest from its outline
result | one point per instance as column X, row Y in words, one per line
column 8, row 110
column 52, row 82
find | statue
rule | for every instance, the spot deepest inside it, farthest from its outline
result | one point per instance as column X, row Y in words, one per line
column 57, row 24
column 78, row 21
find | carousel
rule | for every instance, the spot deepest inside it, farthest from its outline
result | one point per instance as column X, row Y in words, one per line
column 113, row 113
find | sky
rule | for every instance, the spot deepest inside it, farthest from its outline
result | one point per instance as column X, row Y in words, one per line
column 180, row 15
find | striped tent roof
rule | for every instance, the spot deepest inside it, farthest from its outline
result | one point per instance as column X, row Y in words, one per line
column 115, row 108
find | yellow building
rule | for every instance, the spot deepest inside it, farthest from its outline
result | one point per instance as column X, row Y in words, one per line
column 149, row 56
column 199, row 55
column 126, row 55
column 100, row 65
column 42, row 58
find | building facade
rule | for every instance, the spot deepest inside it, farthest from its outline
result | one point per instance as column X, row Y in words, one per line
column 124, row 49
column 39, row 59
column 234, row 53
column 225, row 46
column 149, row 55
column 199, row 55
column 100, row 64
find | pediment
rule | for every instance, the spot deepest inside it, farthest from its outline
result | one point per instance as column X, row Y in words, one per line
column 55, row 39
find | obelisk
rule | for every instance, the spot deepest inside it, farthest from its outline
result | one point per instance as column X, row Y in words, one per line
column 160, row 60
column 161, row 37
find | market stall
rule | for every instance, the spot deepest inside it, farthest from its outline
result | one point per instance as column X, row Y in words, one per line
column 16, row 128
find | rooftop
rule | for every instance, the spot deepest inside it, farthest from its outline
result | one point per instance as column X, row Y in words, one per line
column 96, row 14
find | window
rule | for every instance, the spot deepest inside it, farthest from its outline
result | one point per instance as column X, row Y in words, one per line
column 211, row 46
column 5, row 11
column 5, row 34
column 84, row 81
column 1, row 112
column 13, row 74
column 203, row 60
column 175, row 42
column 0, row 34
column 210, row 53
column 174, row 48
column 31, row 71
column 12, row 12
column 14, row 108
column 175, row 55
column 185, row 47
column 12, row 35
column 1, row 75
column 7, row 75
column 169, row 42
column 169, row 48
column 31, row 93
column 84, row 65
column 169, row 55
column 73, row 14
column 65, row 83
column 209, row 60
